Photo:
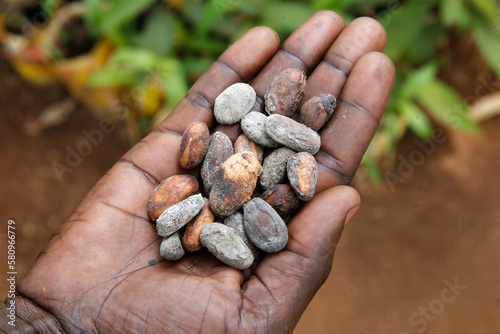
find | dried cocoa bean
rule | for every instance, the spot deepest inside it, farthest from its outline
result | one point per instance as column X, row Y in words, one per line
column 235, row 221
column 227, row 246
column 253, row 127
column 171, row 191
column 317, row 111
column 234, row 103
column 191, row 238
column 302, row 171
column 292, row 134
column 194, row 145
column 171, row 248
column 274, row 167
column 234, row 183
column 285, row 92
column 264, row 227
column 243, row 143
column 283, row 199
column 219, row 150
column 178, row 215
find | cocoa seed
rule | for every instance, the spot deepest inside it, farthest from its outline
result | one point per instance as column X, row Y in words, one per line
column 219, row 150
column 292, row 134
column 234, row 183
column 191, row 238
column 227, row 246
column 171, row 248
column 302, row 171
column 274, row 167
column 253, row 127
column 264, row 227
column 285, row 92
column 194, row 145
column 243, row 143
column 317, row 111
column 283, row 199
column 234, row 103
column 178, row 215
column 235, row 221
column 171, row 191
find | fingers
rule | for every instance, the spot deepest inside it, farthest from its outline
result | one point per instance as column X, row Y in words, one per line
column 287, row 281
column 304, row 49
column 361, row 36
column 348, row 133
column 156, row 155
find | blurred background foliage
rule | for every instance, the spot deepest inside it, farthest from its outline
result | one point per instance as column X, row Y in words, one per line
column 145, row 54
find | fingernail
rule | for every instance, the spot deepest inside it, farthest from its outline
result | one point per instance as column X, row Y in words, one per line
column 350, row 214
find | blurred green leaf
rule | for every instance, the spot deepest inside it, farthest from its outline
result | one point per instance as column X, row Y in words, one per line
column 418, row 80
column 488, row 8
column 488, row 40
column 122, row 12
column 158, row 33
column 418, row 122
column 49, row 6
column 404, row 27
column 285, row 17
column 454, row 12
column 444, row 103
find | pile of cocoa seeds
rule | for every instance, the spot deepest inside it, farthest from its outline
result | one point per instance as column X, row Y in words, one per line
column 231, row 221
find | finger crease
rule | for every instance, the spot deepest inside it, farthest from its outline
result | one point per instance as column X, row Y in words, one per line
column 123, row 211
column 345, row 179
column 200, row 100
column 147, row 175
column 232, row 70
column 163, row 129
column 360, row 109
column 339, row 63
column 297, row 59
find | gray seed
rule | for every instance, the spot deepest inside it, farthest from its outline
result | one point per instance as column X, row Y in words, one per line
column 171, row 248
column 178, row 215
column 235, row 221
column 274, row 167
column 302, row 171
column 264, row 227
column 234, row 103
column 253, row 127
column 227, row 246
column 219, row 150
column 292, row 134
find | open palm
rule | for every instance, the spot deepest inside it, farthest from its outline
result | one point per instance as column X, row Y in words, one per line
column 102, row 272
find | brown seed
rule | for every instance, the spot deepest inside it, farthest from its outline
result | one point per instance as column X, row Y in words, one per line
column 292, row 134
column 234, row 183
column 191, row 238
column 178, row 215
column 317, row 111
column 194, row 144
column 302, row 171
column 274, row 167
column 243, row 143
column 219, row 149
column 227, row 246
column 171, row 248
column 171, row 191
column 283, row 199
column 235, row 221
column 285, row 92
column 264, row 227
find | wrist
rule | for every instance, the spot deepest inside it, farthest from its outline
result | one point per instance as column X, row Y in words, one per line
column 21, row 315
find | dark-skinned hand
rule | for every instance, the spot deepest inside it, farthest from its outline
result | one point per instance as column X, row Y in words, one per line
column 102, row 272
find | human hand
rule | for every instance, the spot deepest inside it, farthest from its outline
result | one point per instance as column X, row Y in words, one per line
column 102, row 271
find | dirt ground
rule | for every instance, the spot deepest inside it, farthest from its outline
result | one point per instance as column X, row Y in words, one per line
column 422, row 255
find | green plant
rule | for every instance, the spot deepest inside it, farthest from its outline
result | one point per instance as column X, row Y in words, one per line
column 177, row 40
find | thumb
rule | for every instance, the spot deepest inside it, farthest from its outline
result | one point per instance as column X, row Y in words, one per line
column 287, row 281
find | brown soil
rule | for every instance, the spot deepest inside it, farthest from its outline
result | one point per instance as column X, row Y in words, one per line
column 439, row 223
